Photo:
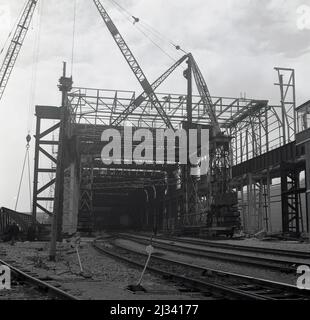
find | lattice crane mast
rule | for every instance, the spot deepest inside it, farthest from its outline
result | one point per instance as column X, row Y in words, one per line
column 223, row 210
column 205, row 96
column 16, row 44
column 133, row 63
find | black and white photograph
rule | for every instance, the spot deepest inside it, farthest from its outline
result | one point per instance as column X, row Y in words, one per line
column 155, row 154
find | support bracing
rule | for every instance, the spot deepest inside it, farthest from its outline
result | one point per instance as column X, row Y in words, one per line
column 292, row 218
column 287, row 115
column 45, row 114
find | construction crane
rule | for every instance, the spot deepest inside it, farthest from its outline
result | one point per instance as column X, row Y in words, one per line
column 16, row 44
column 133, row 63
column 223, row 200
column 205, row 96
column 223, row 211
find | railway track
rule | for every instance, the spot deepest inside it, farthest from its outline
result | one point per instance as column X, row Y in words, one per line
column 210, row 282
column 26, row 286
column 271, row 259
column 275, row 252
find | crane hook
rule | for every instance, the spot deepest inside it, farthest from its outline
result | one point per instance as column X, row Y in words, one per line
column 179, row 48
column 136, row 20
column 28, row 139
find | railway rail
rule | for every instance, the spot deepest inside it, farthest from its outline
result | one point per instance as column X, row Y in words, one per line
column 26, row 286
column 271, row 259
column 214, row 283
column 212, row 244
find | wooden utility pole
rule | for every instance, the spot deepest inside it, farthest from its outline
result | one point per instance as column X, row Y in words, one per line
column 187, row 168
column 65, row 85
column 189, row 101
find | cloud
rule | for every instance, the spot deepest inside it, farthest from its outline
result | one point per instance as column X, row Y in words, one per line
column 267, row 27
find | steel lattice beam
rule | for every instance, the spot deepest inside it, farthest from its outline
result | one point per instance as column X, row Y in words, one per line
column 16, row 44
column 138, row 101
column 132, row 62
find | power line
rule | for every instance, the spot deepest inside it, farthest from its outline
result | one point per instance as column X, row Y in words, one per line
column 73, row 35
column 29, row 183
column 35, row 62
column 157, row 45
column 26, row 160
column 147, row 29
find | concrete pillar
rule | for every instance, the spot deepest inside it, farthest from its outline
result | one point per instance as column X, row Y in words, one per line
column 251, row 203
column 261, row 206
column 243, row 208
column 71, row 201
column 268, row 218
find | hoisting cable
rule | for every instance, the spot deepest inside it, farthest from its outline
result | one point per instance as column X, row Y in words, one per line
column 35, row 62
column 29, row 176
column 135, row 20
column 160, row 36
column 157, row 45
column 120, row 8
column 139, row 24
column 73, row 35
column 26, row 159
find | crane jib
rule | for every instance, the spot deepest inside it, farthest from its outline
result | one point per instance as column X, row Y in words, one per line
column 132, row 62
column 16, row 44
column 138, row 101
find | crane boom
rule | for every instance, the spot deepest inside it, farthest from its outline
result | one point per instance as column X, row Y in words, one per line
column 132, row 62
column 16, row 44
column 205, row 96
column 139, row 100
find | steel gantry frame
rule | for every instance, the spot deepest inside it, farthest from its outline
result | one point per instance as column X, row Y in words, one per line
column 44, row 129
column 254, row 126
column 97, row 107
column 228, row 121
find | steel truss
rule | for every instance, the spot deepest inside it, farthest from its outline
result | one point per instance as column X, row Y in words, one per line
column 287, row 112
column 254, row 126
column 45, row 115
column 98, row 108
column 101, row 107
column 255, row 133
column 16, row 44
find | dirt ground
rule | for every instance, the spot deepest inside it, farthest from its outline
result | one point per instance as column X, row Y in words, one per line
column 103, row 278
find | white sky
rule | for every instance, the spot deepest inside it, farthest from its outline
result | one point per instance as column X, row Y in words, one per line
column 236, row 43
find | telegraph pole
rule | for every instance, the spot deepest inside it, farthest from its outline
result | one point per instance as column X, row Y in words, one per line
column 188, row 74
column 65, row 85
column 187, row 168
